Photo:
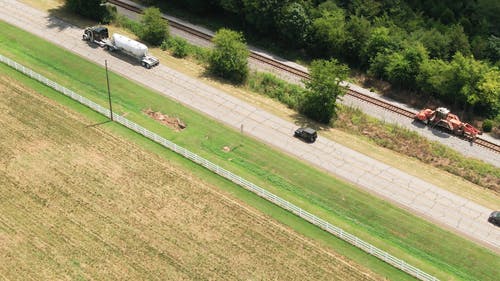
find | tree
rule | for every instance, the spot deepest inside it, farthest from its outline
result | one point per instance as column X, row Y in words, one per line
column 459, row 42
column 293, row 24
column 489, row 91
column 364, row 8
column 231, row 6
column 494, row 49
column 323, row 89
column 435, row 77
column 94, row 9
column 230, row 56
column 358, row 31
column 329, row 34
column 467, row 72
column 261, row 14
column 403, row 66
column 379, row 41
column 437, row 43
column 154, row 27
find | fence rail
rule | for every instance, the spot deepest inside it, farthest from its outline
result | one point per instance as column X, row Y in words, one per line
column 338, row 232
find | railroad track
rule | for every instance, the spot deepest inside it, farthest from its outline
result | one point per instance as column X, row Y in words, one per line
column 488, row 144
column 381, row 103
column 300, row 73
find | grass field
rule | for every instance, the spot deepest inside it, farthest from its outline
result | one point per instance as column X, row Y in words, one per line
column 415, row 240
column 80, row 203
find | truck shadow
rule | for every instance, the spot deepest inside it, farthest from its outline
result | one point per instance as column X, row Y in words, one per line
column 418, row 124
column 435, row 131
column 439, row 132
column 92, row 45
column 124, row 57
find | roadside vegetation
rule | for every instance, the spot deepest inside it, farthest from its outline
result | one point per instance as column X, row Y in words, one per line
column 446, row 51
column 318, row 102
column 410, row 143
column 418, row 242
column 229, row 60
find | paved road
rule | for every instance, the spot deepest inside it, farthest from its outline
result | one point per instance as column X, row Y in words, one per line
column 459, row 214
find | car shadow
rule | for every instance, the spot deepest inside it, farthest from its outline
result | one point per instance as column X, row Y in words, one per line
column 303, row 140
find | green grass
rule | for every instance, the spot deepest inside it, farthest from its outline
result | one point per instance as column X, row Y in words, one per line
column 269, row 85
column 418, row 242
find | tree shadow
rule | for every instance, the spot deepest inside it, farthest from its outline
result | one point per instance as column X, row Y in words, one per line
column 209, row 75
column 302, row 121
column 61, row 18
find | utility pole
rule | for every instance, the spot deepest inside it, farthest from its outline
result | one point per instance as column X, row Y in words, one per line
column 109, row 93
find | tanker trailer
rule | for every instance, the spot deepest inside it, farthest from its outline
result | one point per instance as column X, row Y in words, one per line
column 132, row 48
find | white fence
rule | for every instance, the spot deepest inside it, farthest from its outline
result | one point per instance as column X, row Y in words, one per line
column 388, row 258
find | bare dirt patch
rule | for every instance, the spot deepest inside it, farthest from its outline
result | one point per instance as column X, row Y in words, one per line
column 172, row 122
column 90, row 205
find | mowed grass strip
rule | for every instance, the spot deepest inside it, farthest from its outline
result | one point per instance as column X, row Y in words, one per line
column 80, row 203
column 404, row 235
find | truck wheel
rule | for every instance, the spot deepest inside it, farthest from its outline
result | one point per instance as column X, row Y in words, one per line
column 148, row 66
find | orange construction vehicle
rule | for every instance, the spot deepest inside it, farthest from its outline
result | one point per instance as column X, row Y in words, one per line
column 441, row 117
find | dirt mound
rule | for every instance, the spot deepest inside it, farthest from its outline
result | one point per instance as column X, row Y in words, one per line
column 171, row 122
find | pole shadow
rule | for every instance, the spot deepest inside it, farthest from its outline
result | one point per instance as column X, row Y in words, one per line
column 98, row 124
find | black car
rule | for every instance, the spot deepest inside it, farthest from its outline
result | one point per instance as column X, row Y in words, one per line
column 495, row 218
column 307, row 134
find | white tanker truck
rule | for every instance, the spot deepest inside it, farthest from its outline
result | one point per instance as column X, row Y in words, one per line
column 117, row 42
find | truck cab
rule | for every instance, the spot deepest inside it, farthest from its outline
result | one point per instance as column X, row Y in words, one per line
column 96, row 34
column 149, row 61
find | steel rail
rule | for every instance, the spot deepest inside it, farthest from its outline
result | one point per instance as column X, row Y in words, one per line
column 300, row 73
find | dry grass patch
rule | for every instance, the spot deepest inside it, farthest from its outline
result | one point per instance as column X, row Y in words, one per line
column 173, row 123
column 80, row 203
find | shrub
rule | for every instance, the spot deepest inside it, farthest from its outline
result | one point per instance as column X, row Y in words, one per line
column 165, row 45
column 135, row 27
column 270, row 85
column 154, row 28
column 179, row 47
column 487, row 125
column 229, row 58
